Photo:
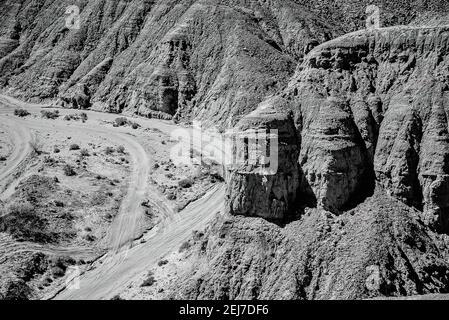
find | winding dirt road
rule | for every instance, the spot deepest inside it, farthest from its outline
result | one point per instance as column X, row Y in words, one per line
column 124, row 228
column 110, row 274
column 20, row 137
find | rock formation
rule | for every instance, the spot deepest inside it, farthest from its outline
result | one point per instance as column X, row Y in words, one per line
column 389, row 95
column 377, row 249
column 370, row 110
column 264, row 180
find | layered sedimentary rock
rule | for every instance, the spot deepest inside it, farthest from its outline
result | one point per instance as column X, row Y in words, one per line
column 364, row 111
column 206, row 59
column 264, row 180
column 210, row 60
column 370, row 108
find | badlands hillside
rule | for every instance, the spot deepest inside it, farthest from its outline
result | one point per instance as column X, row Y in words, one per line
column 359, row 204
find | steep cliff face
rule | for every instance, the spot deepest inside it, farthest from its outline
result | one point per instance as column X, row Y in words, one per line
column 264, row 180
column 371, row 109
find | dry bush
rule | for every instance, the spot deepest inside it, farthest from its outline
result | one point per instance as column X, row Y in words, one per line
column 149, row 281
column 84, row 152
column 109, row 150
column 47, row 114
column 36, row 146
column 68, row 170
column 74, row 146
column 21, row 112
column 185, row 183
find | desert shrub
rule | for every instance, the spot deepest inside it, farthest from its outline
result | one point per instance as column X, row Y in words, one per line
column 57, row 272
column 83, row 116
column 121, row 149
column 49, row 160
column 109, row 150
column 62, row 261
column 84, row 153
column 162, row 263
column 73, row 116
column 47, row 281
column 36, row 146
column 23, row 223
column 149, row 281
column 2, row 158
column 59, row 265
column 56, row 149
column 74, row 146
column 59, row 203
column 135, row 125
column 185, row 183
column 89, row 237
column 17, row 290
column 35, row 264
column 47, row 114
column 116, row 297
column 21, row 112
column 184, row 246
column 171, row 196
column 121, row 121
column 68, row 170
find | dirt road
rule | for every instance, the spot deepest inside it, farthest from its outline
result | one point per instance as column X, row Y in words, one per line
column 20, row 137
column 111, row 274
column 107, row 276
column 124, row 228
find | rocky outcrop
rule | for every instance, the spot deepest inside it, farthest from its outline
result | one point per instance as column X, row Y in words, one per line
column 370, row 109
column 380, row 248
column 333, row 156
column 264, row 180
column 78, row 95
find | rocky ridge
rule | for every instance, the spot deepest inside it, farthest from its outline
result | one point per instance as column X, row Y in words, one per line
column 209, row 60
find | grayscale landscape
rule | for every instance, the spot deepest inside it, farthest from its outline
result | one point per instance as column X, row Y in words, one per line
column 224, row 149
